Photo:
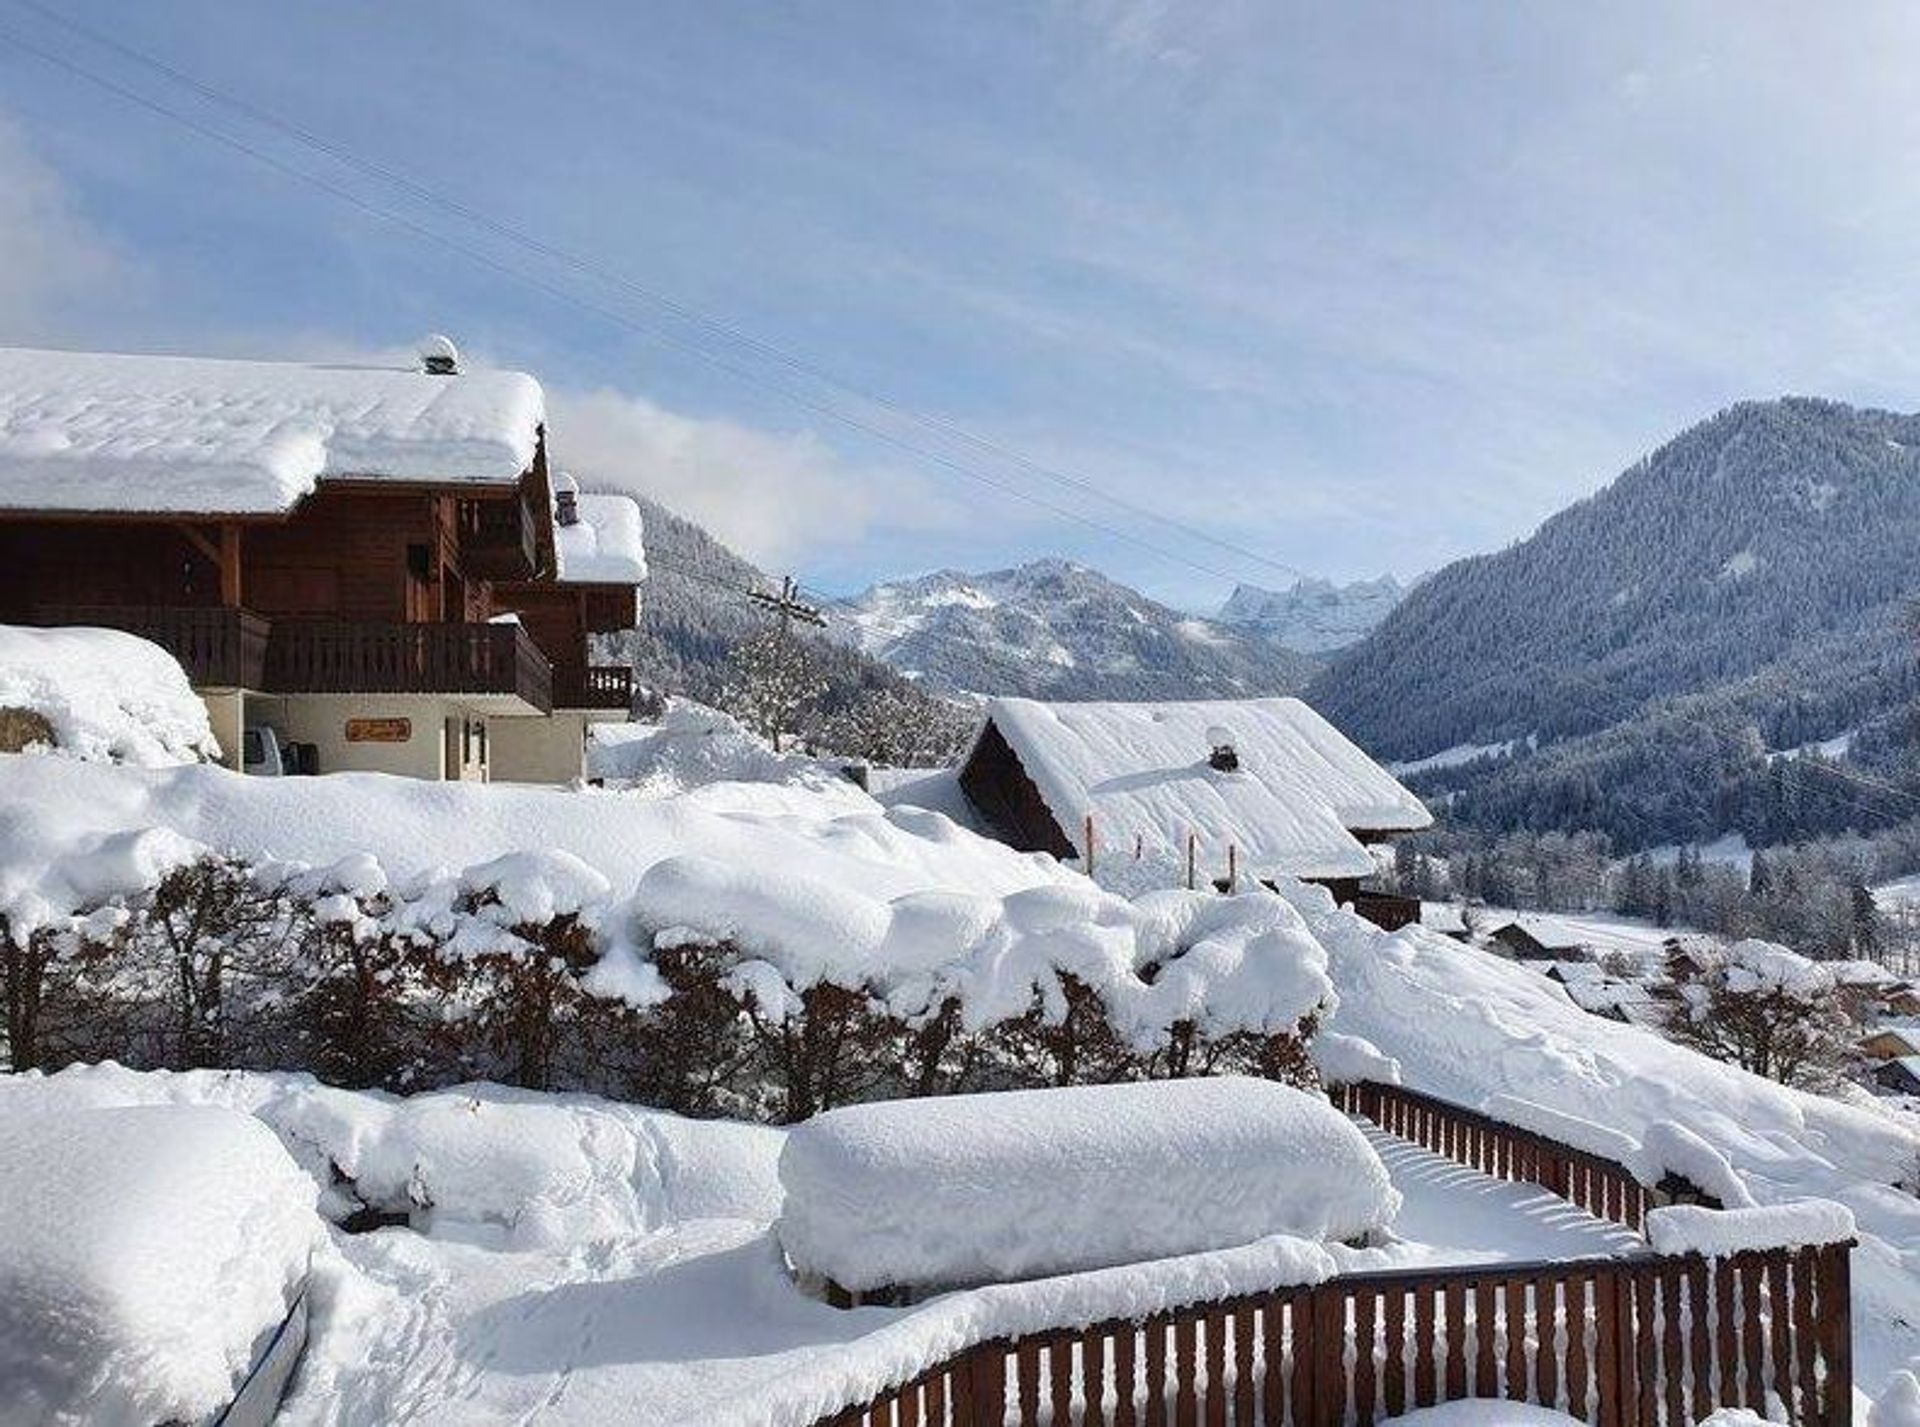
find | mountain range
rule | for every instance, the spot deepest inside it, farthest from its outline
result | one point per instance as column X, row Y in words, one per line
column 1055, row 629
column 1313, row 616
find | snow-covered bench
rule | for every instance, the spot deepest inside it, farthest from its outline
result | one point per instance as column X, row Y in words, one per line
column 897, row 1198
column 148, row 1258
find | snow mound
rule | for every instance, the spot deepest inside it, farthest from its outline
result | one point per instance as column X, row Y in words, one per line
column 693, row 746
column 107, row 696
column 970, row 1189
column 143, row 1252
column 1483, row 1412
column 1690, row 1229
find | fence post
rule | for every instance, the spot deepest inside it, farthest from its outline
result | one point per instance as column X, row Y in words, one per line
column 986, row 1379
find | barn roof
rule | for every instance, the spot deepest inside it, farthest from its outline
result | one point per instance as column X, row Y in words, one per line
column 1141, row 770
column 102, row 433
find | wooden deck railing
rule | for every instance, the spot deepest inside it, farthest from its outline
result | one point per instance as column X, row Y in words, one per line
column 596, row 686
column 1602, row 1187
column 317, row 656
column 218, row 647
column 1638, row 1341
column 1641, row 1342
column 497, row 538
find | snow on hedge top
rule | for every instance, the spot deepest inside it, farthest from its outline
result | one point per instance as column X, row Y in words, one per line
column 144, row 1251
column 87, row 431
column 604, row 545
column 1142, row 771
column 108, row 697
column 967, row 1189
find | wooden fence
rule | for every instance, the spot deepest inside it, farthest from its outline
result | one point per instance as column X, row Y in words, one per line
column 1616, row 1342
column 1600, row 1186
column 1639, row 1341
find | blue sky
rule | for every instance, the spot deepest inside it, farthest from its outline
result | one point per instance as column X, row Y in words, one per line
column 1345, row 288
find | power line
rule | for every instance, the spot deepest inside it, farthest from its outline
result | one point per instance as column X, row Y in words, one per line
column 680, row 311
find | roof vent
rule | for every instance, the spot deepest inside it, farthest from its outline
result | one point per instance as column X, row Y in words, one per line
column 439, row 357
column 566, row 500
column 1223, row 758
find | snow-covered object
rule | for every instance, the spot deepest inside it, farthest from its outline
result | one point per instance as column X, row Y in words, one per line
column 1763, row 966
column 1350, row 1060
column 87, row 431
column 1667, row 1148
column 604, row 545
column 109, row 696
column 972, row 1189
column 1899, row 1404
column 1575, row 1130
column 691, row 746
column 1484, row 1412
column 1221, row 963
column 143, row 1253
column 1690, row 1229
column 1142, row 772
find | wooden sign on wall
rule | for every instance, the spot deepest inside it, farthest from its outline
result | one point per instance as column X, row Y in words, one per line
column 379, row 730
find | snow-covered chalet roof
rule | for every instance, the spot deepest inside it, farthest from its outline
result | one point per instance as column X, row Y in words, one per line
column 95, row 432
column 1141, row 769
column 603, row 546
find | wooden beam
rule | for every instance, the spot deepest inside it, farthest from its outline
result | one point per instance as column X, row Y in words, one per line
column 200, row 542
column 230, row 591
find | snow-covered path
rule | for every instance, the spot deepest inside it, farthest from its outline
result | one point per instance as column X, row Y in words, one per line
column 665, row 1327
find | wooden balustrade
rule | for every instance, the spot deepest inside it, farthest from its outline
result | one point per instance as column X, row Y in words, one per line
column 317, row 656
column 1638, row 1342
column 1602, row 1187
column 218, row 647
column 596, row 686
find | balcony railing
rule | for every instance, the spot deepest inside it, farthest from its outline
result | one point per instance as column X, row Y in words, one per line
column 316, row 656
column 218, row 647
column 497, row 539
column 598, row 686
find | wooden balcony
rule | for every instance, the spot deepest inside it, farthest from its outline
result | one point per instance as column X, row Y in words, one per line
column 218, row 647
column 497, row 539
column 324, row 656
column 597, row 686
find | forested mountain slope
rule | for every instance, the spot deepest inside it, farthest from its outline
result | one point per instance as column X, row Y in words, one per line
column 1743, row 589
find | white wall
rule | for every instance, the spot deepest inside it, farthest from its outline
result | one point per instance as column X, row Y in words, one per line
column 538, row 750
column 321, row 719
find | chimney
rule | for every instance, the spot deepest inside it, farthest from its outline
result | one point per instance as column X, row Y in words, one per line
column 1223, row 759
column 566, row 500
column 439, row 357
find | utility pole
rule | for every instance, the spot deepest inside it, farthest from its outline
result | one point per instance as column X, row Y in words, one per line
column 789, row 606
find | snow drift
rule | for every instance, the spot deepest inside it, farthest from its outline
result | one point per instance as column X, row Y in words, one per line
column 145, row 1252
column 107, row 696
column 968, row 1189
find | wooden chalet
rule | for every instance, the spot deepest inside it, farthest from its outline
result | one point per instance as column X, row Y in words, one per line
column 1542, row 941
column 1227, row 790
column 357, row 558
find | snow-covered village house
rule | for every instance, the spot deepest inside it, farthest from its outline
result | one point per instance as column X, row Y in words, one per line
column 368, row 567
column 1227, row 790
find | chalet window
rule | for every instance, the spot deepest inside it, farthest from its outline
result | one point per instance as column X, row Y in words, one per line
column 420, row 562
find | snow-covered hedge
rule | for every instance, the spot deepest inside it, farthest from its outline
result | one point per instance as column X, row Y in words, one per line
column 782, row 978
column 100, row 695
column 981, row 1188
column 143, row 1253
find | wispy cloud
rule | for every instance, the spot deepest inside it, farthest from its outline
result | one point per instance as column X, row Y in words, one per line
column 774, row 496
column 51, row 259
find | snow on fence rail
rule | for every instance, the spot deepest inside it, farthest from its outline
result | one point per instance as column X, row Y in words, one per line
column 1603, row 1187
column 1640, row 1342
column 1651, row 1340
